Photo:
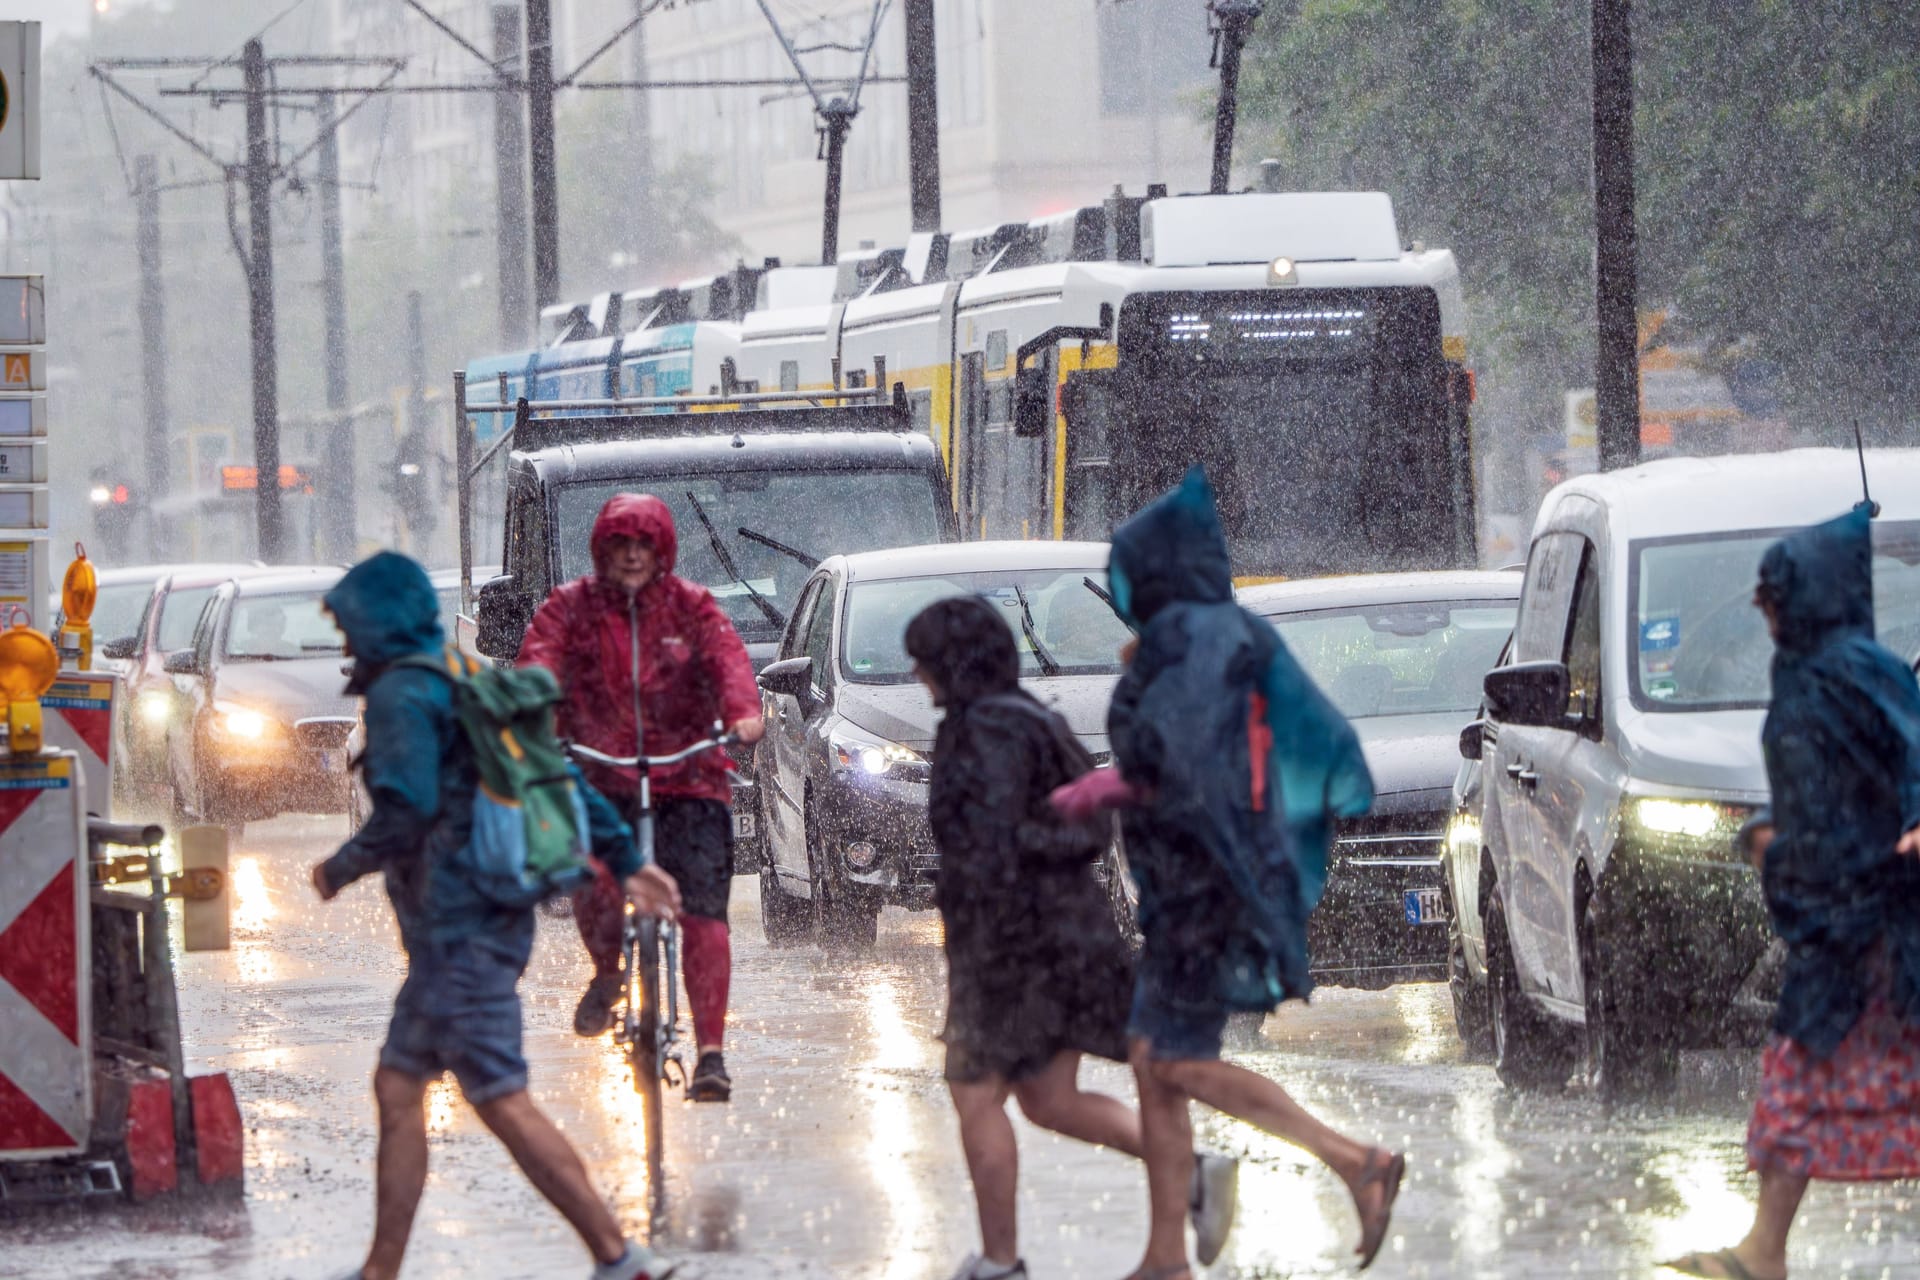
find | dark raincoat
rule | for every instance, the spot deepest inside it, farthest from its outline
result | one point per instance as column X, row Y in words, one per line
column 1036, row 964
column 1245, row 763
column 1842, row 744
column 418, row 768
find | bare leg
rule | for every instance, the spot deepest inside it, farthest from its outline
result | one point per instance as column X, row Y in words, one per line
column 1054, row 1100
column 993, row 1162
column 1764, row 1251
column 400, row 1169
column 1247, row 1095
column 555, row 1169
column 1167, row 1141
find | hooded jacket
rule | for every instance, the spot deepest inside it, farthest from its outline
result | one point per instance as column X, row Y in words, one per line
column 1842, row 747
column 693, row 668
column 419, row 770
column 1245, row 763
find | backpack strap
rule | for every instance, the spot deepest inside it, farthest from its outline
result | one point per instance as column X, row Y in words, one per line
column 449, row 662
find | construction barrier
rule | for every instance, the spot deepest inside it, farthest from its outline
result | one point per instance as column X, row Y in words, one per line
column 82, row 717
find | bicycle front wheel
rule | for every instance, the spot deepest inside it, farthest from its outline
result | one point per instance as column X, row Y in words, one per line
column 643, row 990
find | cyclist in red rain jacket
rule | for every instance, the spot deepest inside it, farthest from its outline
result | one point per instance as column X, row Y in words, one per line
column 631, row 616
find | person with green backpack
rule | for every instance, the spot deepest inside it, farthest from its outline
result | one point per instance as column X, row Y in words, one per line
column 476, row 818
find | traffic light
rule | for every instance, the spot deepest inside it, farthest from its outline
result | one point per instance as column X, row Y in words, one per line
column 115, row 508
column 412, row 487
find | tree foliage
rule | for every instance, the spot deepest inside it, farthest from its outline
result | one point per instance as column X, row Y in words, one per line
column 1779, row 185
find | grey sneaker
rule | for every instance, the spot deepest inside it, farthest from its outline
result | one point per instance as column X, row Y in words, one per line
column 594, row 1014
column 978, row 1268
column 636, row 1264
column 1211, row 1203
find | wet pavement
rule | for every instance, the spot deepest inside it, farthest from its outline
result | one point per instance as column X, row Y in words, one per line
column 838, row 1157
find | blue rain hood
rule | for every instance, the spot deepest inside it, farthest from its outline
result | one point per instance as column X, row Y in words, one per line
column 1842, row 745
column 1248, row 763
column 1173, row 549
column 388, row 609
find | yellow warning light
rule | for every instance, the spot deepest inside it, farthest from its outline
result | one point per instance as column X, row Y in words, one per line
column 78, row 592
column 29, row 665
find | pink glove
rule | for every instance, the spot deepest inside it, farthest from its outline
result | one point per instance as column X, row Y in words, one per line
column 1090, row 794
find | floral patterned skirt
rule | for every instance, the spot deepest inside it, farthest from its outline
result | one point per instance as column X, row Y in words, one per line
column 1854, row 1117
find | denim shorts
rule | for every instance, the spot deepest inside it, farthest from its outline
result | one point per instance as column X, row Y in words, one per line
column 459, row 1011
column 1177, row 1008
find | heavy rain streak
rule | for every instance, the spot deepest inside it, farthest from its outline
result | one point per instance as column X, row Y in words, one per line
column 959, row 639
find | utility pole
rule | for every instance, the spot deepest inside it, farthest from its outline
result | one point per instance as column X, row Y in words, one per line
column 546, row 179
column 342, row 532
column 266, row 390
column 153, row 354
column 923, row 116
column 510, row 179
column 1232, row 23
column 1617, row 369
column 836, row 119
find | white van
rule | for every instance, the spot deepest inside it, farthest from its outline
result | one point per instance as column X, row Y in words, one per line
column 1621, row 752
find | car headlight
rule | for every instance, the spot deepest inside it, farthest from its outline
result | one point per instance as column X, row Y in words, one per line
column 1689, row 820
column 155, row 707
column 241, row 723
column 875, row 757
column 1463, row 833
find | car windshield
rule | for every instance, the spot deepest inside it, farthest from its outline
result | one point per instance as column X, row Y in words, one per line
column 117, row 610
column 1400, row 659
column 1697, row 640
column 813, row 514
column 264, row 628
column 1061, row 625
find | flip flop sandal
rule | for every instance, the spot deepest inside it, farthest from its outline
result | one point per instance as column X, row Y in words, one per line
column 1161, row 1273
column 1389, row 1171
column 1731, row 1268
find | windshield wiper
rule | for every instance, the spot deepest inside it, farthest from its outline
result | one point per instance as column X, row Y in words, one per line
column 781, row 547
column 1106, row 598
column 1048, row 665
column 720, row 553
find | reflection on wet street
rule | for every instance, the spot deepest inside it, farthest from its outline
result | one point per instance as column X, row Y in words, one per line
column 838, row 1157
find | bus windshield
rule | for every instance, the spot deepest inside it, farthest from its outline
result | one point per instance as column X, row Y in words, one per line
column 1323, row 421
column 810, row 515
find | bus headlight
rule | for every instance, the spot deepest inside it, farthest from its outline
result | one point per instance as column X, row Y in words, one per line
column 1282, row 271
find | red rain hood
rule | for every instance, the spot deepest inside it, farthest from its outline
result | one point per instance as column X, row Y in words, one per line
column 635, row 515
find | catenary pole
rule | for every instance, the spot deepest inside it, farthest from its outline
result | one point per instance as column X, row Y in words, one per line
column 836, row 119
column 153, row 346
column 1234, row 21
column 266, row 391
column 1617, row 368
column 342, row 529
column 546, row 195
column 510, row 181
column 923, row 116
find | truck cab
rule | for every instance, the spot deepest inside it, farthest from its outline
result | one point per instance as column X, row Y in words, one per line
column 759, row 497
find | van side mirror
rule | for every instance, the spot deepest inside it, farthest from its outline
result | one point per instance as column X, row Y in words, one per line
column 184, row 663
column 501, row 615
column 792, row 677
column 1473, row 740
column 1528, row 693
column 120, row 650
column 1032, row 401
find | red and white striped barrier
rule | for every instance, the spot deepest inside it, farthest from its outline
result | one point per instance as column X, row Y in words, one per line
column 81, row 717
column 46, row 1075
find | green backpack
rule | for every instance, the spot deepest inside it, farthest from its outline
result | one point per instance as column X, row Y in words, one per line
column 530, row 836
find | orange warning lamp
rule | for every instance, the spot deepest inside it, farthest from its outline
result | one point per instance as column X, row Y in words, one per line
column 78, row 591
column 28, row 666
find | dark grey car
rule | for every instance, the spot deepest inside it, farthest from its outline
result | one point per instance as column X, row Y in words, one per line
column 842, row 773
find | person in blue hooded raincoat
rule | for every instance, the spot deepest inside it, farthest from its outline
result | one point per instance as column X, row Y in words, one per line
column 1840, row 1080
column 458, row 1009
column 1235, row 766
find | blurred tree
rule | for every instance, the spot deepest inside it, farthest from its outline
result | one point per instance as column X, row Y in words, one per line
column 1779, row 181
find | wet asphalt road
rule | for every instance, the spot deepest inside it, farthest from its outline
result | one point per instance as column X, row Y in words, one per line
column 838, row 1157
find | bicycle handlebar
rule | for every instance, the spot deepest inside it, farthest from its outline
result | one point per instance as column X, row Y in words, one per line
column 580, row 752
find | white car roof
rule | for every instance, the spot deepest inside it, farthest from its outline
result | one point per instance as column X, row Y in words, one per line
column 1679, row 496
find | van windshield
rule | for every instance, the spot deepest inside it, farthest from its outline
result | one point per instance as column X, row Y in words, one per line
column 1697, row 642
column 811, row 514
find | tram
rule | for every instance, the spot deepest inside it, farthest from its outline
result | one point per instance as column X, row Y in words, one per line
column 1071, row 367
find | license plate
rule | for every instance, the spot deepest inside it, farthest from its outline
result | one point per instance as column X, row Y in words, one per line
column 1424, row 907
column 743, row 826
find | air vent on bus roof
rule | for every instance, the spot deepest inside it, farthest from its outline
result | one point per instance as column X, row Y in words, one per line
column 1320, row 226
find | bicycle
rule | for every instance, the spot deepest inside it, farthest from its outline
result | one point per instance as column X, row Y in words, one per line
column 652, row 950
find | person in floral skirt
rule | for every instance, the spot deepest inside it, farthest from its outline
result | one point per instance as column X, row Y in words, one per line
column 1839, row 858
